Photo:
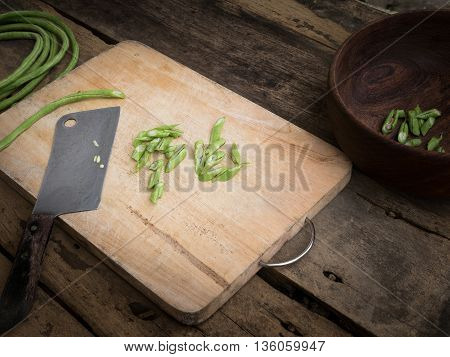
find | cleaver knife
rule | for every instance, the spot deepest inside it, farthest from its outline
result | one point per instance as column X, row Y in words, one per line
column 72, row 183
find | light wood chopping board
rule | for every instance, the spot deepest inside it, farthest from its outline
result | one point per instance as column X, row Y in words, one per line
column 194, row 249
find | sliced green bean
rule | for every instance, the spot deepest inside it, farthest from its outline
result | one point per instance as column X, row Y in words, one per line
column 164, row 127
column 47, row 109
column 402, row 135
column 199, row 152
column 142, row 136
column 211, row 174
column 154, row 165
column 164, row 144
column 413, row 122
column 178, row 156
column 157, row 192
column 389, row 123
column 143, row 161
column 214, row 146
column 440, row 149
column 235, row 154
column 152, row 145
column 207, row 158
column 216, row 130
column 213, row 160
column 413, row 142
column 228, row 174
column 427, row 125
column 138, row 152
column 417, row 109
column 429, row 113
column 434, row 142
column 170, row 151
column 163, row 133
column 157, row 168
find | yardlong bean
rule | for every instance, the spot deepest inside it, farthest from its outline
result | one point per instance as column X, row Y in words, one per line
column 52, row 41
column 71, row 98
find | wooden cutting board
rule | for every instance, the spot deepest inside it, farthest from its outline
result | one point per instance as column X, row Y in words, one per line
column 194, row 249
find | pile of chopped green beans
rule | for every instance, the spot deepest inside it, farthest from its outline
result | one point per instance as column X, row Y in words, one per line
column 52, row 41
column 47, row 109
column 416, row 122
column 158, row 140
column 208, row 157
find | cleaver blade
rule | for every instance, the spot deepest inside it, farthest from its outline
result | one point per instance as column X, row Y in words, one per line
column 72, row 182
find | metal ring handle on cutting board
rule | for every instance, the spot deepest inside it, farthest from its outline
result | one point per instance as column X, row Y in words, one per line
column 301, row 255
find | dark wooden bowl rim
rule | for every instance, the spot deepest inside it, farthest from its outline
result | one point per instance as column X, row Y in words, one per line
column 340, row 102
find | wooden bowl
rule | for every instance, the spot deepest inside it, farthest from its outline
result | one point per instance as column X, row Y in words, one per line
column 397, row 62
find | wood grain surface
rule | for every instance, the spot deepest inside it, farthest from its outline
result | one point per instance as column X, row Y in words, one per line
column 200, row 244
column 399, row 303
column 48, row 318
column 369, row 78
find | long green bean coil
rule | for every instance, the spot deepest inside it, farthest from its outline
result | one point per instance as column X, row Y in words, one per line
column 53, row 40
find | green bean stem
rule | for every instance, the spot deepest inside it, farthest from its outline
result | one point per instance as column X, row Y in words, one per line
column 47, row 109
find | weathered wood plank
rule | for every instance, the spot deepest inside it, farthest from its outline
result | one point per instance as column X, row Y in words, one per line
column 266, row 64
column 384, row 274
column 270, row 83
column 273, row 314
column 259, row 55
column 50, row 320
column 430, row 216
column 327, row 22
column 133, row 314
column 273, row 63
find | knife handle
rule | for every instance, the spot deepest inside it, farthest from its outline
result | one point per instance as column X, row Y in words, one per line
column 20, row 288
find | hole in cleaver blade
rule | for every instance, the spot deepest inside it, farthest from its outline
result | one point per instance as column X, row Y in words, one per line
column 73, row 181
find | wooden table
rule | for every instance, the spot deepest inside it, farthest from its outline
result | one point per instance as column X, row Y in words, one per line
column 381, row 263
